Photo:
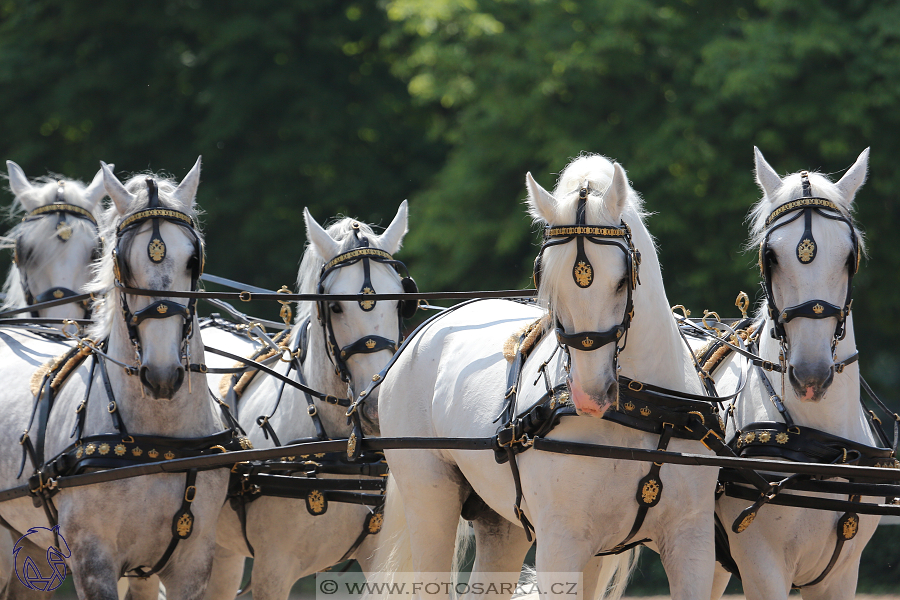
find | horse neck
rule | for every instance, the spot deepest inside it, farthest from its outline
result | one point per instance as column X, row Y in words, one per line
column 189, row 413
column 839, row 412
column 654, row 351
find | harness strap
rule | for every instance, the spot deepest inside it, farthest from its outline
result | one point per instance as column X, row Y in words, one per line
column 182, row 527
column 847, row 527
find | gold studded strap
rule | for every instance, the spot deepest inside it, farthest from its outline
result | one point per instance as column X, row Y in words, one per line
column 60, row 207
column 156, row 213
column 798, row 204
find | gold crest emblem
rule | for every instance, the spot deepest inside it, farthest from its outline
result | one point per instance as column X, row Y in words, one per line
column 351, row 445
column 764, row 436
column 316, row 502
column 156, row 250
column 587, row 342
column 104, row 448
column 58, row 294
column 584, row 274
column 169, row 455
column 89, row 449
column 818, row 309
column 137, row 451
column 781, row 438
column 629, row 406
column 119, row 449
column 805, row 250
column 162, row 309
column 183, row 527
column 376, row 522
column 746, row 522
column 370, row 344
column 245, row 443
column 367, row 304
column 63, row 231
column 153, row 453
column 851, row 525
column 650, row 491
column 645, row 412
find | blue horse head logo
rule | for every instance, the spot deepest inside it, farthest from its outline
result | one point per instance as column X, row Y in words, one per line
column 29, row 573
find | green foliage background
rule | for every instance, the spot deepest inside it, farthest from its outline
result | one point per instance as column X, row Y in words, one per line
column 348, row 107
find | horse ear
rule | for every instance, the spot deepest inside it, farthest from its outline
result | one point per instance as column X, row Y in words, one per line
column 392, row 237
column 121, row 197
column 616, row 196
column 186, row 191
column 20, row 186
column 542, row 206
column 855, row 176
column 766, row 177
column 94, row 192
column 319, row 238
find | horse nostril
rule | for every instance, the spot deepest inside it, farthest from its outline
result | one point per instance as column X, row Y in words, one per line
column 612, row 392
column 143, row 377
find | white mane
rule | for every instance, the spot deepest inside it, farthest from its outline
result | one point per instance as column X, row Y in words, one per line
column 102, row 285
column 37, row 231
column 311, row 263
column 597, row 170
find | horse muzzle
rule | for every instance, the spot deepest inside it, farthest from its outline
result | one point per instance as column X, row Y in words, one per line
column 593, row 404
column 163, row 383
column 810, row 382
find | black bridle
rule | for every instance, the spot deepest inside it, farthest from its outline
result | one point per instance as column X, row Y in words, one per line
column 368, row 343
column 583, row 273
column 63, row 233
column 806, row 253
column 156, row 251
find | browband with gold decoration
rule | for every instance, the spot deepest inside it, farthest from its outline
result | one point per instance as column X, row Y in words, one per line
column 355, row 254
column 801, row 203
column 58, row 207
column 152, row 213
column 569, row 230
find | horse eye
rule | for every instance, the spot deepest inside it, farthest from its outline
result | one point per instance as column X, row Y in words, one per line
column 335, row 307
column 622, row 283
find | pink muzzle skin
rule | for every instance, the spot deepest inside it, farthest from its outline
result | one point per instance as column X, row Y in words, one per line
column 585, row 404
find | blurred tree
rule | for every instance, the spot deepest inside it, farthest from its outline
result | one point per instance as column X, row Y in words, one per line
column 678, row 91
column 290, row 105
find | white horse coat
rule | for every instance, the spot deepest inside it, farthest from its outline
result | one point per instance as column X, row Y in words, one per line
column 452, row 380
column 785, row 545
column 288, row 542
column 117, row 526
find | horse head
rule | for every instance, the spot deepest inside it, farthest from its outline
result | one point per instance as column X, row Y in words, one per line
column 359, row 336
column 54, row 244
column 587, row 273
column 153, row 244
column 809, row 251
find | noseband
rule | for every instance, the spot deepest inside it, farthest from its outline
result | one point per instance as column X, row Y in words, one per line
column 156, row 251
column 806, row 253
column 369, row 343
column 583, row 272
column 63, row 233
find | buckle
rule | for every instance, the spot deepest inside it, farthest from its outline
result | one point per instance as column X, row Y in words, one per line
column 245, row 296
column 640, row 386
column 707, row 434
column 191, row 491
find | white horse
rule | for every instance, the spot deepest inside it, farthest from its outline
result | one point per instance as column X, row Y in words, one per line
column 451, row 381
column 54, row 243
column 785, row 546
column 287, row 542
column 117, row 527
